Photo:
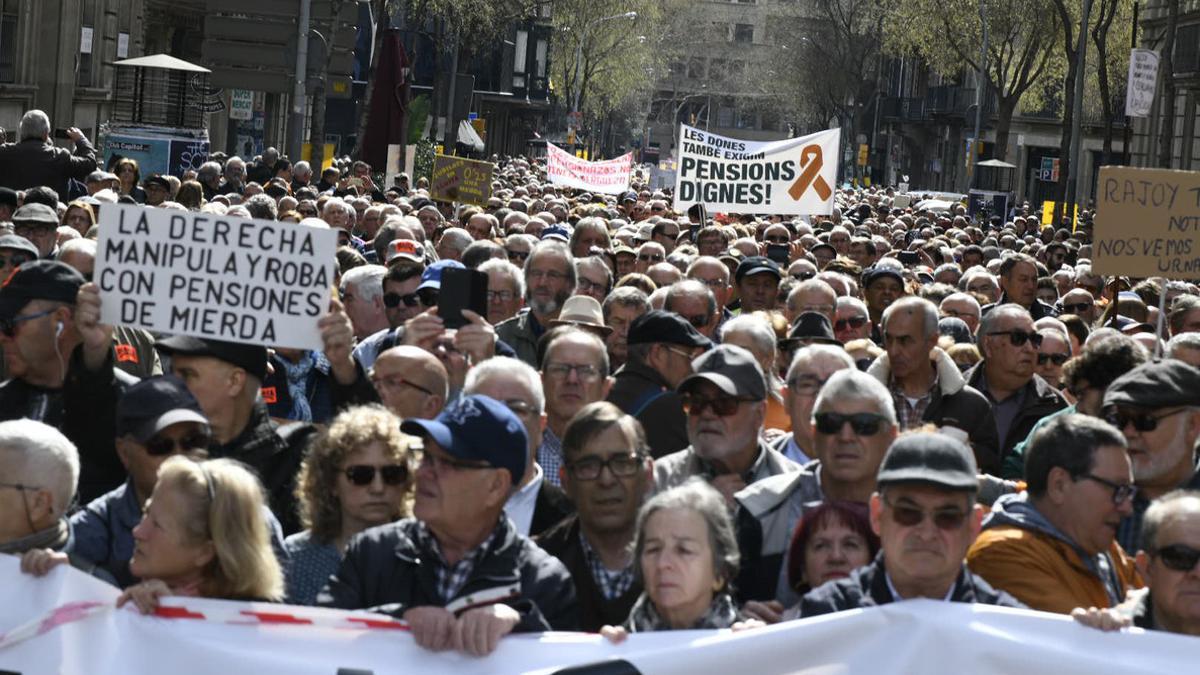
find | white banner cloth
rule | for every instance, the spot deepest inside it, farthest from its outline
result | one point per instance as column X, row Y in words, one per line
column 610, row 176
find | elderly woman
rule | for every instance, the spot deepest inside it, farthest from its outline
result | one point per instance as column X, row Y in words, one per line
column 357, row 475
column 203, row 534
column 127, row 171
column 79, row 217
column 687, row 555
column 830, row 541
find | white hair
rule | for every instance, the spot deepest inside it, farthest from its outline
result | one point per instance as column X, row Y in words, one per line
column 367, row 281
column 40, row 456
column 80, row 245
column 34, row 124
column 505, row 366
column 507, row 269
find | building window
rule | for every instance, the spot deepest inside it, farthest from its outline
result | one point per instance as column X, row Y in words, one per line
column 520, row 51
column 539, row 56
column 8, row 40
column 725, row 114
column 743, row 33
column 87, row 42
column 1186, row 58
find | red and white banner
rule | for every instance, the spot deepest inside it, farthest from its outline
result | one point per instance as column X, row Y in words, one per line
column 609, row 177
column 66, row 623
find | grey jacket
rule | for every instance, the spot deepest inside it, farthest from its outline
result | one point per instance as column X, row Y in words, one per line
column 677, row 467
column 767, row 513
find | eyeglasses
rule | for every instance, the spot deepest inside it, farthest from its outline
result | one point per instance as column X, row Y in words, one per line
column 440, row 464
column 561, row 371
column 621, row 466
column 1018, row 338
column 911, row 516
column 863, row 424
column 583, row 285
column 1077, row 308
column 1122, row 492
column 805, row 384
column 698, row 321
column 650, row 257
column 364, row 474
column 395, row 382
column 393, row 300
column 854, row 322
column 501, row 296
column 1178, row 557
column 9, row 326
column 516, row 255
column 161, row 446
column 712, row 283
column 722, row 406
column 28, row 231
column 1056, row 359
column 15, row 259
column 781, row 239
column 428, row 296
column 1141, row 421
column 685, row 354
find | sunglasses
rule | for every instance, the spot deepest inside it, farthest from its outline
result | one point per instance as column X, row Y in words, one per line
column 161, row 446
column 804, row 276
column 722, row 407
column 1077, row 308
column 393, row 300
column 16, row 260
column 863, row 424
column 1018, row 337
column 428, row 296
column 516, row 255
column 853, row 322
column 1056, row 359
column 698, row 321
column 9, row 326
column 911, row 516
column 1140, row 421
column 1122, row 492
column 364, row 474
column 1178, row 557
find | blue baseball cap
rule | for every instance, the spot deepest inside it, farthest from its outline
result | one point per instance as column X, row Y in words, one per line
column 480, row 429
column 556, row 232
column 432, row 276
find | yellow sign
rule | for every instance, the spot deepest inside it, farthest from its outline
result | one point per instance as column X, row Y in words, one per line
column 1048, row 213
column 1147, row 223
column 863, row 151
column 461, row 180
column 306, row 155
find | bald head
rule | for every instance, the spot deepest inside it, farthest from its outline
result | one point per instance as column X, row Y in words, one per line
column 411, row 382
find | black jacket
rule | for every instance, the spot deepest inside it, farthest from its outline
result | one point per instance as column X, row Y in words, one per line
column 867, row 586
column 35, row 162
column 595, row 611
column 383, row 572
column 550, row 508
column 640, row 391
column 275, row 454
column 1040, row 400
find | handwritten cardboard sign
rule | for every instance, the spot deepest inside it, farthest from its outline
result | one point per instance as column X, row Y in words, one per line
column 1147, row 223
column 465, row 181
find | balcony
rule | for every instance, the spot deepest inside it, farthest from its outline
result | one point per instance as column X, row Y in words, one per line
column 903, row 109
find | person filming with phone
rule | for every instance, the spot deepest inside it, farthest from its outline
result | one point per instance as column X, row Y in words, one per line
column 34, row 160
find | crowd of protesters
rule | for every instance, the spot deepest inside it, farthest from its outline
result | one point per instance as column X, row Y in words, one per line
column 663, row 421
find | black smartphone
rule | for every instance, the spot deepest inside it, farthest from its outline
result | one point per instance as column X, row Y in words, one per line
column 778, row 253
column 61, row 133
column 908, row 258
column 461, row 289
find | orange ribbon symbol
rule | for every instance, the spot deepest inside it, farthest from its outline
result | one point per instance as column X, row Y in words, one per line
column 810, row 161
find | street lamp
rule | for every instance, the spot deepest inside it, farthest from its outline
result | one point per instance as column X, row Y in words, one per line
column 579, row 50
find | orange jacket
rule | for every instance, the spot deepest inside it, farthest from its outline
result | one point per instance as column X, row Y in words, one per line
column 1043, row 571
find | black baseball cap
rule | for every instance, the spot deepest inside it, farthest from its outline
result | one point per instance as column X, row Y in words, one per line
column 932, row 458
column 730, row 368
column 810, row 327
column 158, row 180
column 38, row 280
column 154, row 404
column 1151, row 386
column 873, row 274
column 662, row 326
column 757, row 264
column 250, row 358
column 478, row 428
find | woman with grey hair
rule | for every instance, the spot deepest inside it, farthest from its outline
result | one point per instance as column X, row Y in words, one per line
column 687, row 556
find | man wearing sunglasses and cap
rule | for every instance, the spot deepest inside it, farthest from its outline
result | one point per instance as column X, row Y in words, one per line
column 1054, row 546
column 925, row 514
column 458, row 571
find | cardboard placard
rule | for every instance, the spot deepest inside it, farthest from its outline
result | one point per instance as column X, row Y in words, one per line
column 221, row 277
column 465, row 181
column 1147, row 223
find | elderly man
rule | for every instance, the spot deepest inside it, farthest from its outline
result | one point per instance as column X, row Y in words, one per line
column 574, row 374
column 1019, row 397
column 1018, row 281
column 757, row 282
column 411, row 382
column 482, row 226
column 39, row 224
column 458, row 572
column 649, row 254
column 852, row 320
column 235, row 177
column 662, row 346
column 607, row 474
column 693, row 301
column 39, row 468
column 925, row 383
column 715, row 275
column 812, row 295
column 362, row 295
column 961, row 306
column 621, row 308
column 1155, row 407
column 506, row 290
column 1054, row 546
column 549, row 281
column 811, row 367
column 592, row 278
column 1184, row 316
column 34, row 160
column 725, row 403
column 1079, row 302
column 401, row 298
column 926, row 517
column 536, row 504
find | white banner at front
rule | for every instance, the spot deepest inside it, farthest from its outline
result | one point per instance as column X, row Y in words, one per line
column 610, row 176
column 788, row 177
column 66, row 623
column 1143, row 80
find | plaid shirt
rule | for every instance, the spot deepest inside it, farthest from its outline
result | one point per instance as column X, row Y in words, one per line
column 911, row 415
column 451, row 578
column 612, row 584
column 549, row 456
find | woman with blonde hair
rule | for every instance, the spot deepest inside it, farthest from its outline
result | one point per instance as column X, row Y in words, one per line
column 80, row 217
column 203, row 534
column 357, row 475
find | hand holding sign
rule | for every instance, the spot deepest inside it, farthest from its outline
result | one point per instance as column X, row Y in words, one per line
column 97, row 337
column 337, row 339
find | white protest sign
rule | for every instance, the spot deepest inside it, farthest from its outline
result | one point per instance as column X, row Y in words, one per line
column 1143, row 79
column 793, row 176
column 221, row 277
column 241, row 104
column 610, row 176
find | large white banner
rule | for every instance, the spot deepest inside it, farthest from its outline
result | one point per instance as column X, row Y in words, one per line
column 66, row 623
column 610, row 176
column 207, row 275
column 792, row 176
column 1142, row 83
